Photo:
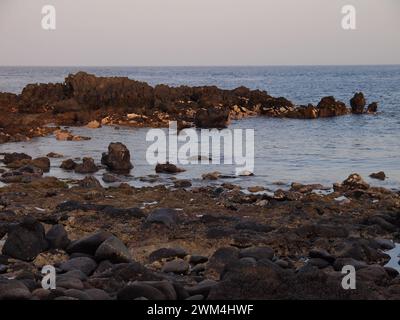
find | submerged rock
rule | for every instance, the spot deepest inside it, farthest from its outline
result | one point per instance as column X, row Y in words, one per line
column 87, row 166
column 168, row 168
column 378, row 175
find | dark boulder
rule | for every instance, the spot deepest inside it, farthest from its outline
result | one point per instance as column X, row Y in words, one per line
column 13, row 157
column 87, row 166
column 118, row 158
column 358, row 103
column 89, row 244
column 113, row 250
column 167, row 217
column 26, row 240
column 212, row 118
column 57, row 237
column 329, row 107
column 68, row 164
column 378, row 175
column 372, row 107
column 84, row 264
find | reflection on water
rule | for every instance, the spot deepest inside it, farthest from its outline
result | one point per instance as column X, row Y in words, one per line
column 394, row 257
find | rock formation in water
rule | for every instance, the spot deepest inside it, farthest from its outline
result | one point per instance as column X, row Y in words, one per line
column 84, row 99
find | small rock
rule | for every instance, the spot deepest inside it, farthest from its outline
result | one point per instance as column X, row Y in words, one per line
column 110, row 178
column 138, row 290
column 13, row 290
column 68, row 164
column 178, row 266
column 54, row 155
column 182, row 184
column 211, row 176
column 167, row 217
column 378, row 175
column 113, row 250
column 258, row 253
column 322, row 254
column 57, row 237
column 354, row 181
column 89, row 182
column 87, row 166
column 168, row 168
column 84, row 264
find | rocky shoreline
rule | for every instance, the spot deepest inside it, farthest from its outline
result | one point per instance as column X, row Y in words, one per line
column 196, row 243
column 87, row 100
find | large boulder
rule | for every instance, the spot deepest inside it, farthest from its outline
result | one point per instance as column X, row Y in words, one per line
column 113, row 250
column 118, row 158
column 25, row 240
column 15, row 156
column 89, row 244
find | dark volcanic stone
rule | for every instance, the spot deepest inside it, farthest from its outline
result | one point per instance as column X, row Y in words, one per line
column 165, row 253
column 358, row 103
column 118, row 158
column 87, row 166
column 378, row 175
column 176, row 266
column 68, row 164
column 113, row 250
column 322, row 254
column 57, row 237
column 13, row 290
column 84, row 264
column 12, row 157
column 89, row 244
column 168, row 217
column 168, row 168
column 137, row 290
column 25, row 240
column 257, row 253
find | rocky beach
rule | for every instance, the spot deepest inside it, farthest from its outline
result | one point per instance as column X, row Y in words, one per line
column 109, row 240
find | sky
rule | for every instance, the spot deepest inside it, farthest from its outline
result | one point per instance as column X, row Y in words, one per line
column 198, row 32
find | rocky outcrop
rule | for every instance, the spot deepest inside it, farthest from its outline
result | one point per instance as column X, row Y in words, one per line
column 118, row 158
column 122, row 101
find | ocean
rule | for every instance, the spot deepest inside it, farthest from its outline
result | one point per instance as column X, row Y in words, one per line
column 287, row 150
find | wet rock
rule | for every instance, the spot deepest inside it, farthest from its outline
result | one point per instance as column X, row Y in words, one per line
column 219, row 232
column 118, row 158
column 137, row 290
column 211, row 176
column 54, row 155
column 257, row 253
column 167, row 253
column 13, row 290
column 168, row 168
column 378, row 175
column 110, row 178
column 13, row 157
column 89, row 244
column 182, row 184
column 168, row 217
column 25, row 240
column 42, row 163
column 329, row 107
column 84, row 264
column 57, row 237
column 68, row 164
column 354, row 181
column 372, row 108
column 212, row 118
column 113, row 250
column 87, row 166
column 358, row 103
column 178, row 266
column 385, row 244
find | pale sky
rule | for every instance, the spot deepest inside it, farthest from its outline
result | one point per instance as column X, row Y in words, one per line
column 199, row 32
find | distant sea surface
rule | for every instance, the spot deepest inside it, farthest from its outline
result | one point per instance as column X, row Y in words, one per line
column 309, row 151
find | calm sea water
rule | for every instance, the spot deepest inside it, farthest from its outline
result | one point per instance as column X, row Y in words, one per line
column 310, row 151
